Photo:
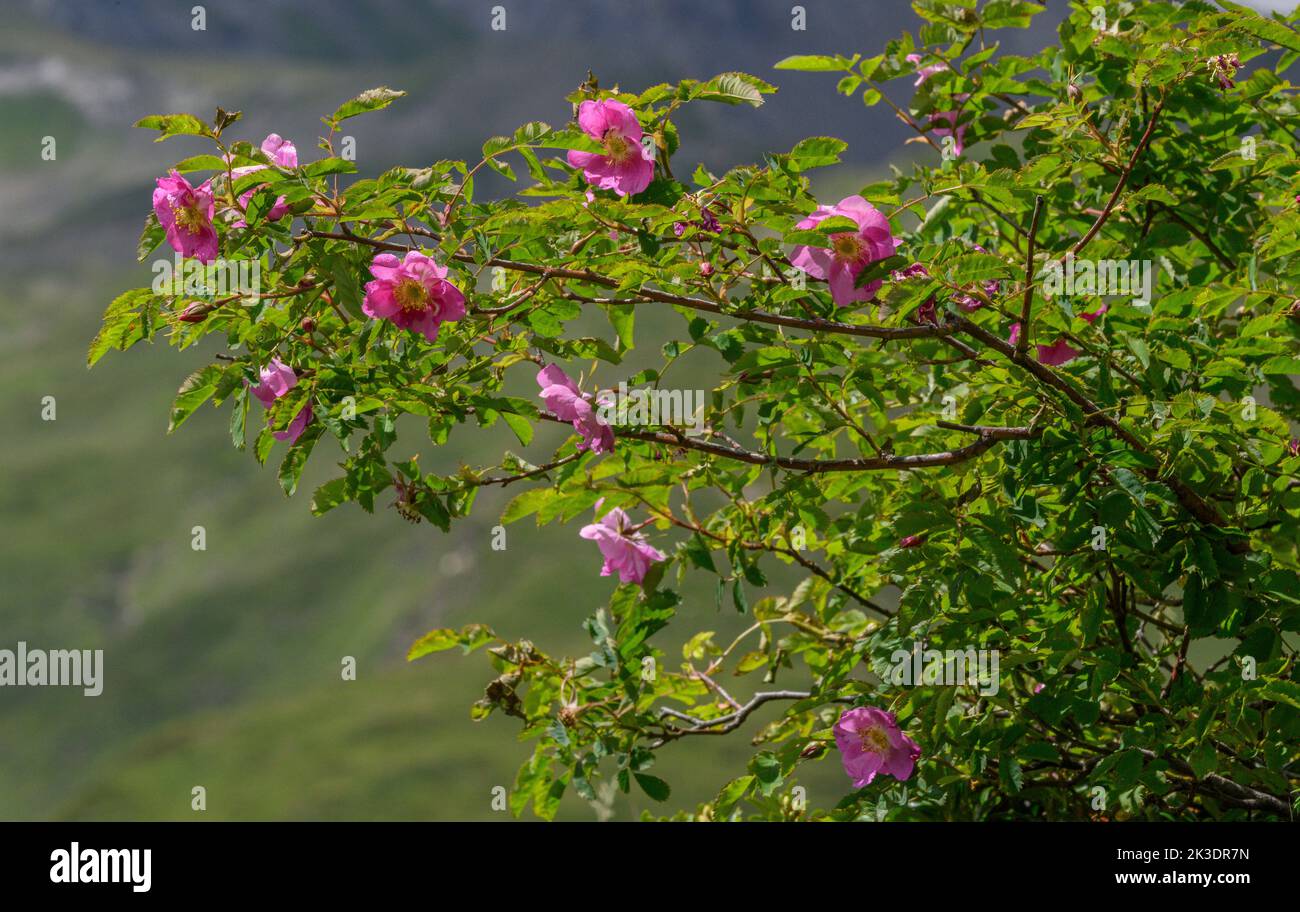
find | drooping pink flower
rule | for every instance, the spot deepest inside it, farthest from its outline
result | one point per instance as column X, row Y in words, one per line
column 569, row 403
column 1093, row 315
column 925, row 72
column 296, row 426
column 1059, row 352
column 992, row 288
column 944, row 123
column 625, row 551
column 927, row 312
column 277, row 211
column 706, row 222
column 627, row 167
column 911, row 541
column 281, row 151
column 277, row 378
column 185, row 212
column 413, row 293
column 871, row 742
column 850, row 251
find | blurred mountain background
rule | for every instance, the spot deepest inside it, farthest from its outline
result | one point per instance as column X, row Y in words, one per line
column 222, row 667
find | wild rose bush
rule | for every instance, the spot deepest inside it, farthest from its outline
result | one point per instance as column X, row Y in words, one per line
column 904, row 416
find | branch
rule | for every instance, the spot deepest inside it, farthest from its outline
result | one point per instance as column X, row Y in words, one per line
column 814, row 466
column 732, row 720
column 1191, row 501
column 923, row 331
column 539, row 470
column 1119, row 184
column 1022, row 344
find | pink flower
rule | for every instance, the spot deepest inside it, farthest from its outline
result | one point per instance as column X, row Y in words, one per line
column 413, row 293
column 627, row 167
column 276, row 212
column 1038, row 688
column 1059, row 352
column 944, row 123
column 992, row 288
column 926, row 313
column 850, row 252
column 911, row 541
column 280, row 150
column 185, row 212
column 277, row 379
column 296, row 426
column 1294, row 446
column 569, row 403
column 925, row 72
column 871, row 742
column 1224, row 69
column 624, row 551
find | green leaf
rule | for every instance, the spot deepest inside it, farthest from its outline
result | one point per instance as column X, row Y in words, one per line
column 169, row 125
column 814, row 63
column 1282, row 692
column 329, row 495
column 1204, row 760
column 433, row 641
column 122, row 324
column 1269, row 30
column 527, row 503
column 731, row 793
column 369, row 100
column 522, row 427
column 976, row 267
column 196, row 390
column 623, row 318
column 292, row 465
column 653, row 786
column 816, row 152
column 734, row 88
column 738, row 596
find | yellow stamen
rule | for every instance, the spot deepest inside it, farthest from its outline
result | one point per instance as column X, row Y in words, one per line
column 875, row 741
column 189, row 218
column 411, row 295
column 618, row 148
column 847, row 246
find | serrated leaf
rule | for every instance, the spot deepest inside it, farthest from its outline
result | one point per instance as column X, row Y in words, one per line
column 369, row 100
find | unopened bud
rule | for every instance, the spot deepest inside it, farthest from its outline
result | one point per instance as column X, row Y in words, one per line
column 195, row 313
